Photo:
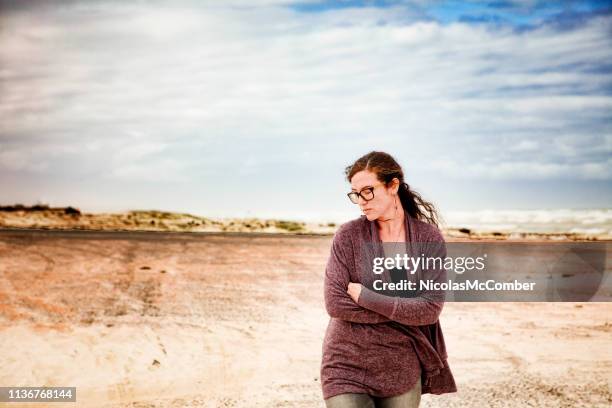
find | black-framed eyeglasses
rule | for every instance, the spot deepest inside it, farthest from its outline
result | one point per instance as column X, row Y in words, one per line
column 367, row 193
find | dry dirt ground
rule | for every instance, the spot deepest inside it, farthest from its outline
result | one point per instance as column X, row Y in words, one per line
column 237, row 320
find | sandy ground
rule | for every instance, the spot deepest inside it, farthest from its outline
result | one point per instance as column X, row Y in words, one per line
column 237, row 320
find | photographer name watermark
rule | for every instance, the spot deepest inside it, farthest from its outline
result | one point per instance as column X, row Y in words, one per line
column 427, row 285
column 491, row 271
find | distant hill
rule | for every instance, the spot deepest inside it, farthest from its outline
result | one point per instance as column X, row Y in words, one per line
column 42, row 216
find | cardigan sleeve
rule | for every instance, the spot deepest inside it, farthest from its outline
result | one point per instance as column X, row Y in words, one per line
column 338, row 303
column 421, row 310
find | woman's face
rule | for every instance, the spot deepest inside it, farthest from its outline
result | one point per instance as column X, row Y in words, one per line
column 383, row 203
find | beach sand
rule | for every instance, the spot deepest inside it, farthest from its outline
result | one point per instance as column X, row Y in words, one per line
column 237, row 320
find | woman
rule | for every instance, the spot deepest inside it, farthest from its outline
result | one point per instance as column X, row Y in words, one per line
column 379, row 350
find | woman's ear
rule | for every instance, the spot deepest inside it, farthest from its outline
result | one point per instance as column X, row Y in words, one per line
column 395, row 185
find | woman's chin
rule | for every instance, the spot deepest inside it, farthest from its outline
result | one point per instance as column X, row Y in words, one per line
column 370, row 216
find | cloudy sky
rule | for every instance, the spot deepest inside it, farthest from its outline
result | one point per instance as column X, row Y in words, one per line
column 255, row 107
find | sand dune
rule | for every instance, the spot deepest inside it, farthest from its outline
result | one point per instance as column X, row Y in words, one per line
column 70, row 218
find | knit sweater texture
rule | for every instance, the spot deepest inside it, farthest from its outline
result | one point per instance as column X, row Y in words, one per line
column 386, row 342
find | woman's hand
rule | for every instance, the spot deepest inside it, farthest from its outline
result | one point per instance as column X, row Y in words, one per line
column 354, row 290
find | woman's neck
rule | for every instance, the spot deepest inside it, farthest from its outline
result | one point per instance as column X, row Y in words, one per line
column 391, row 226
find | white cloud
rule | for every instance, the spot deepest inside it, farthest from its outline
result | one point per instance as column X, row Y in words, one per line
column 214, row 79
column 524, row 170
column 152, row 170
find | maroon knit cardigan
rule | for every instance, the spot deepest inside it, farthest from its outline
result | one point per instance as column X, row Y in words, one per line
column 364, row 339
